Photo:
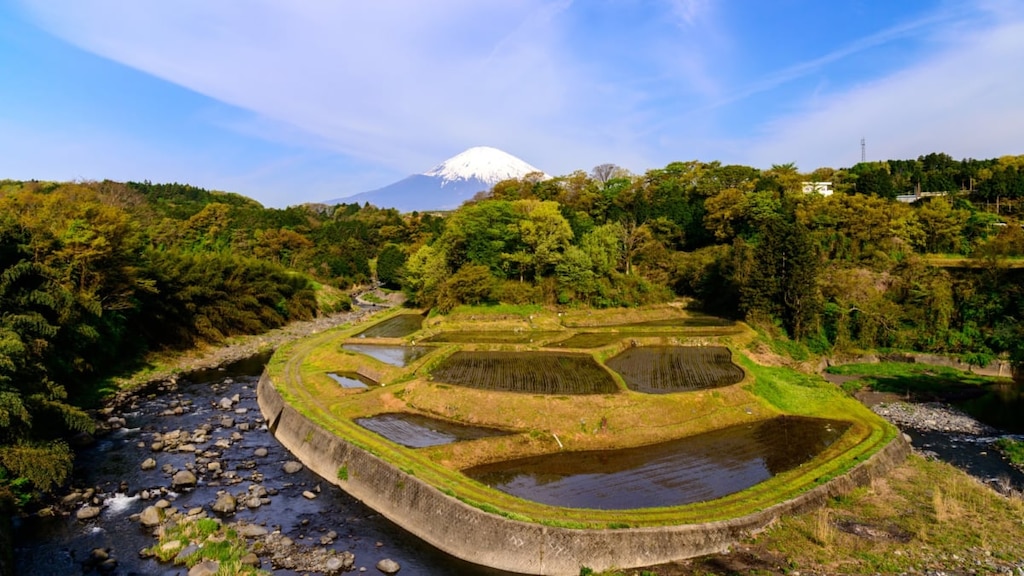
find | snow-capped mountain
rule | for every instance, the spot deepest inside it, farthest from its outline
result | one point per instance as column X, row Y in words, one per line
column 449, row 184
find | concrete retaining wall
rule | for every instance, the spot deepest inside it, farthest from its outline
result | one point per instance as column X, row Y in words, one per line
column 492, row 540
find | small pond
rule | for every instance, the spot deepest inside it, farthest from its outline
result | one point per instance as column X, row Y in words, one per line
column 694, row 469
column 394, row 355
column 416, row 431
column 351, row 380
column 395, row 327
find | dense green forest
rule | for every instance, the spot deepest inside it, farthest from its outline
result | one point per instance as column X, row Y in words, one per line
column 94, row 275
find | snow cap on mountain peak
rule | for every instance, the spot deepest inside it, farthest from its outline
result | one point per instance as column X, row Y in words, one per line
column 483, row 163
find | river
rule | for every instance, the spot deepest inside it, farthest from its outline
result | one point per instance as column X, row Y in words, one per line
column 45, row 546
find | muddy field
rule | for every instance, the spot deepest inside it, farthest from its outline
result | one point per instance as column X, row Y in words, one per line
column 528, row 372
column 665, row 369
column 395, row 327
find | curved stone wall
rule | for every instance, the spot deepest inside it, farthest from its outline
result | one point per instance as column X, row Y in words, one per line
column 491, row 540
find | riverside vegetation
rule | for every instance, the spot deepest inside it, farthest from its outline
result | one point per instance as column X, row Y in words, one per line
column 96, row 277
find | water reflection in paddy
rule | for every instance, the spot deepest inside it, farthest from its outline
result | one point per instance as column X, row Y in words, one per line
column 415, row 431
column 351, row 380
column 394, row 355
column 694, row 469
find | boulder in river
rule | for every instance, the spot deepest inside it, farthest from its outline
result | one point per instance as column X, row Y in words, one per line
column 183, row 479
column 88, row 512
column 225, row 504
column 388, row 566
column 205, row 568
column 148, row 464
column 151, row 517
column 291, row 467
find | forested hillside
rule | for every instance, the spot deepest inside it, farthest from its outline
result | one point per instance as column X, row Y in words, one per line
column 95, row 275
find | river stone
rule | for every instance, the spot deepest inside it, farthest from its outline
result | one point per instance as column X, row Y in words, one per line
column 205, row 568
column 225, row 503
column 183, row 479
column 388, row 566
column 225, row 403
column 308, row 495
column 227, row 422
column 148, row 464
column 250, row 559
column 341, row 563
column 150, row 517
column 88, row 512
column 291, row 467
column 251, row 530
column 213, row 467
column 260, row 452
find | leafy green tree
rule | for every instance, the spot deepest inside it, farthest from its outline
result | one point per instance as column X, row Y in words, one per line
column 389, row 265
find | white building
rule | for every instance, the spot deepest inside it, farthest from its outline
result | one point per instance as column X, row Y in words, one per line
column 823, row 188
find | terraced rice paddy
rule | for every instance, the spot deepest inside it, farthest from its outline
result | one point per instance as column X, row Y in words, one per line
column 691, row 321
column 490, row 337
column 527, row 372
column 395, row 327
column 665, row 369
column 694, row 469
column 394, row 355
column 415, row 431
column 351, row 380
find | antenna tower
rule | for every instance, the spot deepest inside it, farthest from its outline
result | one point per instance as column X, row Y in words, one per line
column 863, row 150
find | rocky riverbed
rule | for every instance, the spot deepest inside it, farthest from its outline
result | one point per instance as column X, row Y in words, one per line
column 195, row 445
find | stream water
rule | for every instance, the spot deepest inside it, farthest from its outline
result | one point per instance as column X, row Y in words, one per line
column 59, row 545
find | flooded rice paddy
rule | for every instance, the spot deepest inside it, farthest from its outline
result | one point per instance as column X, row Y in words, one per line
column 394, row 355
column 491, row 337
column 416, row 431
column 351, row 380
column 693, row 469
column 529, row 372
column 395, row 327
column 665, row 369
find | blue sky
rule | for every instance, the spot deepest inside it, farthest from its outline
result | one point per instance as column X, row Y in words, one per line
column 291, row 102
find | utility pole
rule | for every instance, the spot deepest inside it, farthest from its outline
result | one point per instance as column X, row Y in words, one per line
column 863, row 150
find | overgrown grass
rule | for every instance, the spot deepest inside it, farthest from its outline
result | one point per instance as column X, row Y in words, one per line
column 524, row 310
column 921, row 381
column 919, row 519
column 1012, row 449
column 212, row 541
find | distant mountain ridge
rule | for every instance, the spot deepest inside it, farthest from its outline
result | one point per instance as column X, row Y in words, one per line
column 449, row 184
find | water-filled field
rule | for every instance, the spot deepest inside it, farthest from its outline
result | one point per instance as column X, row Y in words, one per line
column 415, row 431
column 664, row 369
column 351, row 380
column 693, row 469
column 395, row 327
column 490, row 337
column 529, row 372
column 394, row 355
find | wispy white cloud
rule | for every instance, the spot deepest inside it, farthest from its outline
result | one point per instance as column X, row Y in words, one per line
column 966, row 100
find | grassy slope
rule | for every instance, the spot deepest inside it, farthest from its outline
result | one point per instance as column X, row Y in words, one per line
column 629, row 419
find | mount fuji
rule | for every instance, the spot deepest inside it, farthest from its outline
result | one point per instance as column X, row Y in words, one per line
column 449, row 184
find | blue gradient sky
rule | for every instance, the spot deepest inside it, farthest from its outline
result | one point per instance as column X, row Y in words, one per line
column 291, row 102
